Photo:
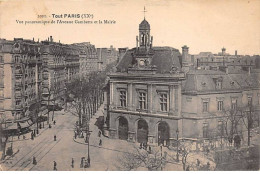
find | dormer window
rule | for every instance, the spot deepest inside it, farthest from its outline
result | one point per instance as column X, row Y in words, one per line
column 219, row 85
column 218, row 82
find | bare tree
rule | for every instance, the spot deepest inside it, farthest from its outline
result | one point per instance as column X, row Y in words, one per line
column 141, row 158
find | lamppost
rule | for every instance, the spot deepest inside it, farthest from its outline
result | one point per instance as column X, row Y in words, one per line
column 161, row 156
column 177, row 155
column 65, row 99
column 88, row 138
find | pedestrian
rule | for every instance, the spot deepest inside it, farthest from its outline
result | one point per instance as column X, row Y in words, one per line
column 72, row 163
column 40, row 126
column 198, row 162
column 34, row 160
column 188, row 168
column 54, row 165
column 32, row 135
column 100, row 142
column 208, row 166
column 18, row 136
column 150, row 150
column 145, row 146
column 54, row 137
column 81, row 162
column 49, row 125
column 75, row 135
column 54, row 122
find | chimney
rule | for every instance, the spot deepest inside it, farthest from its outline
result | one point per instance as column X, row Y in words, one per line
column 223, row 51
column 185, row 53
column 151, row 44
column 235, row 52
column 51, row 39
column 136, row 42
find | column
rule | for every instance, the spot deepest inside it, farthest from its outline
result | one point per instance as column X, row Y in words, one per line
column 171, row 100
column 111, row 95
column 150, row 98
column 130, row 96
column 176, row 99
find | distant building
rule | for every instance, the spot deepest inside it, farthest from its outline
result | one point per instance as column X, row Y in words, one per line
column 210, row 61
column 106, row 56
column 89, row 61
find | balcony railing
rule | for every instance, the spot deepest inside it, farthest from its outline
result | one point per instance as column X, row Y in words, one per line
column 18, row 95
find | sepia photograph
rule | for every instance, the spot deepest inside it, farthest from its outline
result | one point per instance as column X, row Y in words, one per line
column 129, row 85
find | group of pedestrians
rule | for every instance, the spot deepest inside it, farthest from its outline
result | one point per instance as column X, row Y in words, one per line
column 54, row 163
column 145, row 146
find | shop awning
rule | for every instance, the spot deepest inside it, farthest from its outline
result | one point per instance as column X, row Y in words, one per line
column 10, row 126
column 30, row 122
column 24, row 124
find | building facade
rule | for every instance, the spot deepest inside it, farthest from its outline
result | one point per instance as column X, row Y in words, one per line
column 144, row 96
column 156, row 93
column 34, row 75
column 21, row 78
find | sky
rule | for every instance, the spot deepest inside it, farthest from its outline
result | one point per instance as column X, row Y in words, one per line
column 202, row 25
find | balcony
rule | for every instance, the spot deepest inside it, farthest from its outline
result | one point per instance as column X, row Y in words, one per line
column 18, row 95
column 18, row 83
column 19, row 106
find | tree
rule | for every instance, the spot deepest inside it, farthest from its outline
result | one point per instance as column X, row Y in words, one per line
column 140, row 158
column 87, row 93
column 231, row 120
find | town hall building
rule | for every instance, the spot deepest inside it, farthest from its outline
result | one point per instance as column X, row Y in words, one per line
column 144, row 95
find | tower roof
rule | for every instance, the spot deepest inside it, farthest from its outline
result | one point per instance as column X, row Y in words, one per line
column 144, row 25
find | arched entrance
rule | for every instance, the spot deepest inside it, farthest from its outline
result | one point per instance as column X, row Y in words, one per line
column 163, row 133
column 142, row 131
column 123, row 128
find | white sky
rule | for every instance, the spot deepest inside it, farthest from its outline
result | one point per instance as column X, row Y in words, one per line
column 202, row 25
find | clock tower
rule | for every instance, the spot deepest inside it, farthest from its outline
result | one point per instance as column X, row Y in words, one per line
column 144, row 52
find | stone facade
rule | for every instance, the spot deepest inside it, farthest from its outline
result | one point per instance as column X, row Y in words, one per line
column 144, row 94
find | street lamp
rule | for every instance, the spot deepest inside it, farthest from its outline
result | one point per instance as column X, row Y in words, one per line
column 88, row 137
column 161, row 156
column 177, row 155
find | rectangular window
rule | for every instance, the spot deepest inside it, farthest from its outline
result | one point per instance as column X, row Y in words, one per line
column 122, row 98
column 142, row 100
column 163, row 102
column 205, row 130
column 205, row 106
column 220, row 105
column 220, row 128
column 234, row 104
column 219, row 85
column 249, row 101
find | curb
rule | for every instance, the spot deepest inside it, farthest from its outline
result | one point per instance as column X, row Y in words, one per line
column 2, row 161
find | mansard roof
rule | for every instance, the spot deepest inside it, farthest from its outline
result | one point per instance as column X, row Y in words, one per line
column 163, row 58
column 204, row 81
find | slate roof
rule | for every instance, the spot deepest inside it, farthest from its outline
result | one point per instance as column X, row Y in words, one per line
column 163, row 58
column 200, row 81
column 144, row 25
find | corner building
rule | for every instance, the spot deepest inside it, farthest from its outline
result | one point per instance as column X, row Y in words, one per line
column 144, row 93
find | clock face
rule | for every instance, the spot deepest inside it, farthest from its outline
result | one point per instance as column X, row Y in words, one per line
column 141, row 62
